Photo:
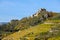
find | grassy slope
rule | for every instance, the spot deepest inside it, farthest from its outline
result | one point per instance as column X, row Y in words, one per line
column 36, row 29
column 48, row 26
column 54, row 38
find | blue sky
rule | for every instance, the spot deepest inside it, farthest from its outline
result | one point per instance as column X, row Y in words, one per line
column 17, row 9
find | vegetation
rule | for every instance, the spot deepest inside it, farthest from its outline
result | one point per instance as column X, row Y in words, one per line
column 32, row 28
column 55, row 31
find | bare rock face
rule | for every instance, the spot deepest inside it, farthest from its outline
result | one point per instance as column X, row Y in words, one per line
column 42, row 9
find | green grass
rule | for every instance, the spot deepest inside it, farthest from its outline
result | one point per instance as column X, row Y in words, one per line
column 55, row 38
column 28, row 32
column 53, row 21
column 38, row 30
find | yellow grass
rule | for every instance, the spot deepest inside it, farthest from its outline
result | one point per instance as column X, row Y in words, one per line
column 54, row 38
column 53, row 21
column 36, row 30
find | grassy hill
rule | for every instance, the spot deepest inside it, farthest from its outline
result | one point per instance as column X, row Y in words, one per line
column 30, row 33
column 35, row 30
column 43, row 25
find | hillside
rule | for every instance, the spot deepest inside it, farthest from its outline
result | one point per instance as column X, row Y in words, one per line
column 30, row 33
column 39, row 26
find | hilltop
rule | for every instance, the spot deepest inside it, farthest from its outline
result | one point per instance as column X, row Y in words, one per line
column 40, row 26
